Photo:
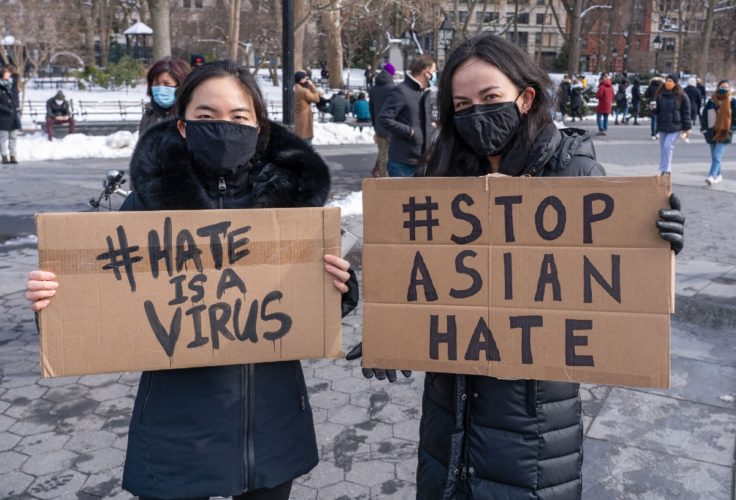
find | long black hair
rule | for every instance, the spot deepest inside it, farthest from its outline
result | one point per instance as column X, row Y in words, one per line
column 225, row 69
column 449, row 155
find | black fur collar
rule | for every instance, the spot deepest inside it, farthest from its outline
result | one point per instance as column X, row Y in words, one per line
column 285, row 172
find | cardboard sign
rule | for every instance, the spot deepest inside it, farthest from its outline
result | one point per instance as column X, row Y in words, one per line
column 178, row 289
column 520, row 278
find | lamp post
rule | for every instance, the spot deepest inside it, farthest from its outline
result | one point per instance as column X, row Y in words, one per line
column 657, row 44
column 447, row 34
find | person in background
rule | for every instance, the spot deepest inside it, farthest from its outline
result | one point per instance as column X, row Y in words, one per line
column 604, row 94
column 197, row 60
column 9, row 118
column 673, row 120
column 324, row 74
column 563, row 96
column 241, row 431
column 584, row 81
column 378, row 93
column 362, row 110
column 339, row 107
column 701, row 88
column 368, row 73
column 407, row 116
column 163, row 79
column 654, row 84
column 718, row 124
column 576, row 100
column 622, row 103
column 635, row 101
column 58, row 112
column 696, row 100
column 305, row 94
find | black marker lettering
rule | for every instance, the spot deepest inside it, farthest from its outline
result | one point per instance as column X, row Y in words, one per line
column 572, row 340
column 166, row 339
column 613, row 288
column 219, row 315
column 436, row 337
column 186, row 249
column 196, row 313
column 179, row 297
column 283, row 318
column 554, row 202
column 526, row 323
column 461, row 268
column 487, row 343
column 548, row 276
column 233, row 245
column 430, row 294
column 213, row 231
column 475, row 228
column 508, row 203
column 155, row 253
column 229, row 279
column 589, row 217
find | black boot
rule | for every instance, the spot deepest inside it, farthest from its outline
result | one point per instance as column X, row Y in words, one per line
column 6, row 160
column 13, row 160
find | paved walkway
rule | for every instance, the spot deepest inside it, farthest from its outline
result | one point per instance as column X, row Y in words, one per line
column 66, row 437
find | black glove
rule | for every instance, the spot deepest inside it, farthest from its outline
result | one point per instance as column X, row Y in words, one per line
column 357, row 352
column 671, row 224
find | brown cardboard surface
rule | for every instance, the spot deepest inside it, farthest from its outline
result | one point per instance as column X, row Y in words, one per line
column 579, row 259
column 268, row 272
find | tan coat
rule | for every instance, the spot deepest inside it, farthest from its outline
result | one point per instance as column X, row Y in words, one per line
column 303, row 121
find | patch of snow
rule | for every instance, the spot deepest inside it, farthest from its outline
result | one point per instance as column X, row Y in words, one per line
column 727, row 398
column 351, row 204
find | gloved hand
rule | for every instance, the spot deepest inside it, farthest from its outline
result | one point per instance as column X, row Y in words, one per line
column 357, row 352
column 671, row 224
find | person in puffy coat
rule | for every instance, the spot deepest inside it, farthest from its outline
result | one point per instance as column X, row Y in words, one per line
column 241, row 431
column 604, row 94
column 162, row 79
column 484, row 438
column 673, row 120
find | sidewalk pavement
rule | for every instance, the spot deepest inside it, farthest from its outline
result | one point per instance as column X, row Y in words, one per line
column 66, row 437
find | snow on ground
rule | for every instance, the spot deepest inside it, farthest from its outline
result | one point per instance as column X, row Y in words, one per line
column 36, row 146
column 351, row 204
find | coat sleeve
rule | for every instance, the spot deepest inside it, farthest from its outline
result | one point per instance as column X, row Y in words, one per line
column 7, row 109
column 351, row 297
column 390, row 110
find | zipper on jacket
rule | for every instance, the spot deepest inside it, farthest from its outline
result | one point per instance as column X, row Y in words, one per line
column 221, row 190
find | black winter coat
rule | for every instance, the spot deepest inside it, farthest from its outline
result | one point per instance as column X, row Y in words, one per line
column 153, row 114
column 696, row 100
column 484, row 438
column 407, row 116
column 9, row 116
column 377, row 96
column 220, row 431
column 673, row 111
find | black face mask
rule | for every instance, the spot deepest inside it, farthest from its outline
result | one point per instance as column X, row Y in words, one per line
column 488, row 128
column 220, row 148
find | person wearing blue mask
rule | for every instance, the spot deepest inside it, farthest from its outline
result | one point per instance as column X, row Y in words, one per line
column 163, row 79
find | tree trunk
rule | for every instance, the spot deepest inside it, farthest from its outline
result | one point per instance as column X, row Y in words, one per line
column 104, row 24
column 678, row 60
column 233, row 32
column 161, row 24
column 705, row 42
column 574, row 44
column 332, row 28
column 301, row 17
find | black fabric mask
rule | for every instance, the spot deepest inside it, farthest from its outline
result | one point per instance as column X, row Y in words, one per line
column 488, row 128
column 220, row 148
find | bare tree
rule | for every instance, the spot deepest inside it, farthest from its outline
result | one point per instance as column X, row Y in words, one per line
column 161, row 24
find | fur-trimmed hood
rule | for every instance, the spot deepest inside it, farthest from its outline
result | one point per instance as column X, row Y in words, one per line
column 285, row 172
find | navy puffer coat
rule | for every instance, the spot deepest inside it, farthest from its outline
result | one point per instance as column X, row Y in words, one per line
column 223, row 430
column 484, row 438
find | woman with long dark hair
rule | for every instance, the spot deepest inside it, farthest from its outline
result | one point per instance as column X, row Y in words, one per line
column 717, row 124
column 483, row 437
column 244, row 431
column 163, row 79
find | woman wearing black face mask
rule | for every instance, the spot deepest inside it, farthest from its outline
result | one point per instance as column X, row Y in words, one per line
column 482, row 437
column 244, row 431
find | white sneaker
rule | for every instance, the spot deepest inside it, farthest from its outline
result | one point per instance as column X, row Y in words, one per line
column 709, row 180
column 655, row 138
column 717, row 180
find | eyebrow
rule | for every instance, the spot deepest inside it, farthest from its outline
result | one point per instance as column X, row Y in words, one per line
column 205, row 107
column 482, row 91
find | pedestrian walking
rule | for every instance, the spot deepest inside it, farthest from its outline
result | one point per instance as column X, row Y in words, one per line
column 604, row 94
column 241, row 431
column 696, row 100
column 622, row 103
column 9, row 118
column 163, row 79
column 634, row 110
column 362, row 111
column 563, row 96
column 305, row 94
column 377, row 97
column 673, row 120
column 368, row 74
column 701, row 88
column 58, row 112
column 407, row 116
column 717, row 124
column 654, row 85
column 482, row 437
column 339, row 107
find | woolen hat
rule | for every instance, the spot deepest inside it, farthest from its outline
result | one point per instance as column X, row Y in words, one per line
column 674, row 77
column 390, row 68
column 60, row 96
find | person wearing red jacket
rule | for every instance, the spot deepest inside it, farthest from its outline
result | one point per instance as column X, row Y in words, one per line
column 605, row 103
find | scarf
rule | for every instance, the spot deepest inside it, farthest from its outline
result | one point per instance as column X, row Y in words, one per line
column 723, row 116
